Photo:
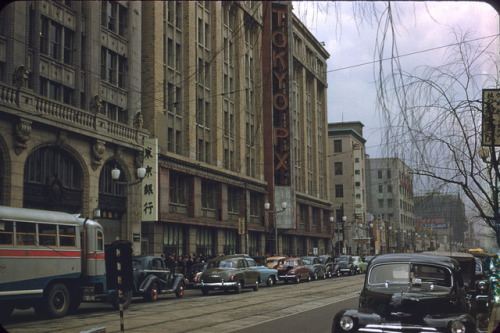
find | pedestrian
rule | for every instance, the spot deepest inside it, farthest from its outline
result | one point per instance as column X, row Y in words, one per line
column 170, row 262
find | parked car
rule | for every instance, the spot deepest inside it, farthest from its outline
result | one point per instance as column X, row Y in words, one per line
column 357, row 261
column 364, row 264
column 228, row 273
column 346, row 265
column 152, row 278
column 331, row 268
column 194, row 273
column 293, row 269
column 267, row 275
column 317, row 268
column 273, row 261
column 410, row 292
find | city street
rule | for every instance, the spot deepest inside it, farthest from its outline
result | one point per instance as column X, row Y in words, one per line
column 275, row 309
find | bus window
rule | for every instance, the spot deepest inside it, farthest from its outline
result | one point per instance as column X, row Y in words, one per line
column 6, row 233
column 100, row 241
column 47, row 234
column 67, row 236
column 25, row 234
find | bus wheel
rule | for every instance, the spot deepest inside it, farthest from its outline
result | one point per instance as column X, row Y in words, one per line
column 55, row 302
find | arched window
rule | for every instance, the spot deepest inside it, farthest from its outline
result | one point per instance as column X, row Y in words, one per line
column 53, row 181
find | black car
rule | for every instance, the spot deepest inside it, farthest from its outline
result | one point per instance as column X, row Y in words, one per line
column 332, row 268
column 152, row 278
column 346, row 265
column 194, row 273
column 410, row 293
column 317, row 268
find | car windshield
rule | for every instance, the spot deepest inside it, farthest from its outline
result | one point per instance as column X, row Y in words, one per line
column 343, row 258
column 291, row 262
column 404, row 273
column 136, row 263
column 221, row 264
column 307, row 261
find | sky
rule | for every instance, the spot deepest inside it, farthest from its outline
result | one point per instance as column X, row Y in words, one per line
column 424, row 29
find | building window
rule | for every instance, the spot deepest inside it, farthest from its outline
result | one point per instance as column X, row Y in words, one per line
column 379, row 174
column 113, row 67
column 57, row 41
column 389, row 173
column 380, row 188
column 389, row 188
column 114, row 17
column 357, row 172
column 339, row 191
column 56, row 91
column 358, row 184
column 114, row 112
column 380, row 203
column 178, row 188
column 337, row 146
column 338, row 168
column 208, row 194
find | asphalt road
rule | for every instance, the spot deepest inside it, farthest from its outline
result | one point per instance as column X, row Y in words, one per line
column 308, row 306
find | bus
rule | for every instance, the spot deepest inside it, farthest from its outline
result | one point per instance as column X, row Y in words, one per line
column 51, row 261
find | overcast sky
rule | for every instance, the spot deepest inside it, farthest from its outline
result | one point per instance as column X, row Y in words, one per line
column 351, row 41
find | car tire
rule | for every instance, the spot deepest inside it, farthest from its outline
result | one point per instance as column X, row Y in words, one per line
column 6, row 310
column 351, row 273
column 256, row 287
column 270, row 281
column 237, row 289
column 315, row 276
column 309, row 278
column 152, row 295
column 297, row 279
column 286, row 281
column 324, row 276
column 180, row 290
column 329, row 274
column 204, row 291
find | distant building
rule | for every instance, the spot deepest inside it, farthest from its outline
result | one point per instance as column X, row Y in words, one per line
column 347, row 159
column 390, row 203
column 441, row 222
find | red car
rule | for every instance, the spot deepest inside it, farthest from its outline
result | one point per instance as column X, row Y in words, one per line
column 293, row 269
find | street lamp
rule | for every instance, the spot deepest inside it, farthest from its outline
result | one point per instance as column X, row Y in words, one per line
column 331, row 238
column 267, row 206
column 115, row 175
column 344, row 219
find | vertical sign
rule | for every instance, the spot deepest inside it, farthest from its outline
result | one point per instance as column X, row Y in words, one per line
column 241, row 225
column 281, row 83
column 491, row 117
column 150, row 182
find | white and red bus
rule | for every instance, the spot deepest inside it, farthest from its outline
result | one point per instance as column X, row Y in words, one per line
column 51, row 261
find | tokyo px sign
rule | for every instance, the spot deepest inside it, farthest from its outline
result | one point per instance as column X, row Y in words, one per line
column 281, row 84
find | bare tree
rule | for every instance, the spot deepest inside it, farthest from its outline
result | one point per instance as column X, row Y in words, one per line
column 434, row 117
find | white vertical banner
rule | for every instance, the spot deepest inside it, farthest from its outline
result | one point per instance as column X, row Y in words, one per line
column 150, row 182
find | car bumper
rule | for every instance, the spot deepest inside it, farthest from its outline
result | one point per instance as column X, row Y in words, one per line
column 217, row 285
column 287, row 277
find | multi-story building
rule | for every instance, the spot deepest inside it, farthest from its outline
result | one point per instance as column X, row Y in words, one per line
column 347, row 159
column 208, row 96
column 70, row 90
column 390, row 201
column 238, row 119
column 441, row 222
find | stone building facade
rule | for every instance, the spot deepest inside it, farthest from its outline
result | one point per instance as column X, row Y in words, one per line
column 206, row 72
column 347, row 162
column 70, row 84
column 182, row 89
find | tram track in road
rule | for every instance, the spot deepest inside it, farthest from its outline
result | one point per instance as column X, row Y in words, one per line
column 217, row 312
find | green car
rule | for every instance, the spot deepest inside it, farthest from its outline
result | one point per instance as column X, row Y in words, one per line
column 228, row 273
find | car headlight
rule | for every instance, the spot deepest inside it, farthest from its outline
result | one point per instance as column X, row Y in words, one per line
column 482, row 285
column 346, row 323
column 457, row 327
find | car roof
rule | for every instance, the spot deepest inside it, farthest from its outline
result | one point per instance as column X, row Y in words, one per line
column 417, row 257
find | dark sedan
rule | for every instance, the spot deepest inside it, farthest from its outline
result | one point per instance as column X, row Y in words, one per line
column 410, row 293
column 152, row 278
column 228, row 273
